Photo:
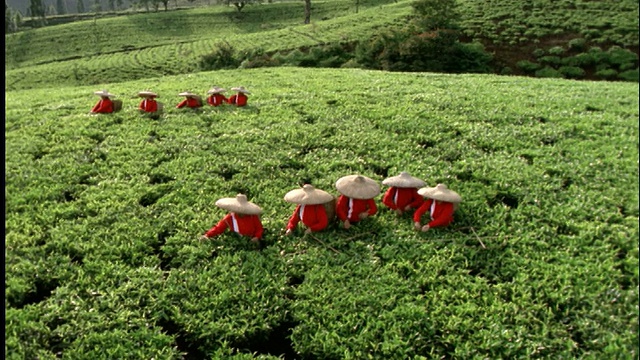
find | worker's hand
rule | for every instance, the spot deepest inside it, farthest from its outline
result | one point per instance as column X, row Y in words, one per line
column 203, row 238
column 398, row 212
column 417, row 225
column 254, row 239
column 308, row 231
column 425, row 228
column 363, row 215
column 346, row 224
column 288, row 232
column 407, row 208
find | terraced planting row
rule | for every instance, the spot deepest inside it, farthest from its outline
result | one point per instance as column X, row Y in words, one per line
column 514, row 22
column 184, row 57
column 125, row 33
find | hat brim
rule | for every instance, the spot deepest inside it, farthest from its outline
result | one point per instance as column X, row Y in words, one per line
column 439, row 194
column 147, row 94
column 302, row 197
column 358, row 187
column 233, row 205
column 216, row 91
column 404, row 182
column 241, row 90
column 186, row 94
column 100, row 93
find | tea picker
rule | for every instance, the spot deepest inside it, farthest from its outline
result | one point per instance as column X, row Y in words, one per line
column 440, row 202
column 243, row 218
column 356, row 200
column 402, row 194
column 311, row 208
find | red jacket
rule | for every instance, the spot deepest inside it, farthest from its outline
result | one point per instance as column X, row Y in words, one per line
column 148, row 105
column 246, row 225
column 350, row 209
column 399, row 198
column 216, row 99
column 238, row 99
column 313, row 216
column 189, row 102
column 441, row 212
column 103, row 106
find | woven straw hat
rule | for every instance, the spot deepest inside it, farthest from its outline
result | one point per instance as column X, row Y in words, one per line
column 216, row 90
column 187, row 94
column 147, row 93
column 239, row 204
column 404, row 180
column 240, row 89
column 358, row 187
column 308, row 195
column 440, row 192
column 103, row 93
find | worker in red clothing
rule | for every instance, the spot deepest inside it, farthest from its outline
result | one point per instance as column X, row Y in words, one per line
column 402, row 194
column 240, row 98
column 243, row 218
column 148, row 103
column 441, row 204
column 215, row 97
column 105, row 105
column 356, row 200
column 311, row 209
column 191, row 100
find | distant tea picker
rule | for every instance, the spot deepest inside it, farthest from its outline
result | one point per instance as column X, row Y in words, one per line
column 191, row 100
column 215, row 97
column 240, row 98
column 149, row 105
column 106, row 105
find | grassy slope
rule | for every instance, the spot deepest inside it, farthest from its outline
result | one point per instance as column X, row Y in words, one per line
column 145, row 45
column 280, row 31
column 104, row 212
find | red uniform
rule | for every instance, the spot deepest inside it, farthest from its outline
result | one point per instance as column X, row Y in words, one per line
column 441, row 212
column 103, row 106
column 246, row 225
column 313, row 216
column 350, row 209
column 189, row 102
column 400, row 198
column 238, row 99
column 216, row 99
column 148, row 105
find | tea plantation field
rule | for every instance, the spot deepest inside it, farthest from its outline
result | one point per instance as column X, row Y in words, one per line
column 103, row 215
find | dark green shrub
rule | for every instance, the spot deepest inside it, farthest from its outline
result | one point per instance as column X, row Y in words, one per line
column 608, row 74
column 577, row 44
column 550, row 60
column 528, row 67
column 620, row 57
column 539, row 53
column 548, row 72
column 471, row 58
column 506, row 71
column 582, row 60
column 629, row 75
column 556, row 50
column 572, row 72
column 224, row 56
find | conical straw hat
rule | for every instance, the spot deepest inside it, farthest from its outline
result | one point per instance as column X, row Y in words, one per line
column 103, row 93
column 440, row 192
column 239, row 204
column 240, row 89
column 187, row 93
column 216, row 90
column 308, row 195
column 404, row 180
column 358, row 187
column 147, row 93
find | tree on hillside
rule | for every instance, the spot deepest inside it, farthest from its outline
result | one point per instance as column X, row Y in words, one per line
column 97, row 6
column 112, row 5
column 7, row 17
column 119, row 4
column 80, row 6
column 61, row 7
column 433, row 15
column 163, row 2
column 307, row 11
column 240, row 4
column 37, row 9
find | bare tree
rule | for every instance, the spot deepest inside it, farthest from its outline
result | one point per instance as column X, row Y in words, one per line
column 307, row 11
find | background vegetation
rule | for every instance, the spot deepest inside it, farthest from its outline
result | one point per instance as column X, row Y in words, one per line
column 103, row 213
